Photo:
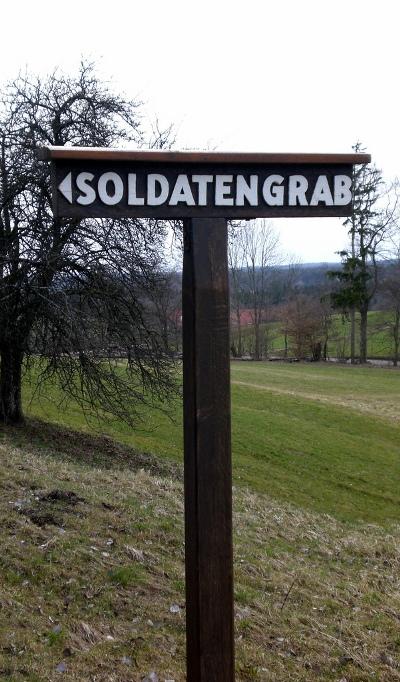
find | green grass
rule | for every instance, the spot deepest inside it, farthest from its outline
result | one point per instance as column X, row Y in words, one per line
column 309, row 435
column 92, row 573
column 127, row 575
column 380, row 342
column 323, row 437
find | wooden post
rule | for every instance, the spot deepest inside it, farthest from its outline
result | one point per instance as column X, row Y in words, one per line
column 208, row 470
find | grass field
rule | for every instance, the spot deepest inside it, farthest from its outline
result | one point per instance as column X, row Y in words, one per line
column 91, row 567
column 323, row 437
column 92, row 582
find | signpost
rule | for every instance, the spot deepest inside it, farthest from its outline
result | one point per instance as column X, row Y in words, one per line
column 204, row 189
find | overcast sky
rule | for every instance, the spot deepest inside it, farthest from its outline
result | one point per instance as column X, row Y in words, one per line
column 260, row 75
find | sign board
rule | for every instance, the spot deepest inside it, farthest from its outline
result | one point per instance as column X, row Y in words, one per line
column 174, row 185
column 204, row 189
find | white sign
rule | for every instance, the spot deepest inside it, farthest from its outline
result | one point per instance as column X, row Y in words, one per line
column 112, row 188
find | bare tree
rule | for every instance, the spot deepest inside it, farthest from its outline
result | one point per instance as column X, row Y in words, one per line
column 325, row 308
column 167, row 302
column 290, row 287
column 372, row 217
column 73, row 295
column 236, row 260
column 390, row 289
column 260, row 246
column 305, row 321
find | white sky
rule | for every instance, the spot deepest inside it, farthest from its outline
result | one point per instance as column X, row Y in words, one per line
column 260, row 75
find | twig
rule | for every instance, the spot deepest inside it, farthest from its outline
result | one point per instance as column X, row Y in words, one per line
column 287, row 593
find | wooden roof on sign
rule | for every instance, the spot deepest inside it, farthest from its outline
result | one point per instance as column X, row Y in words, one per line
column 167, row 156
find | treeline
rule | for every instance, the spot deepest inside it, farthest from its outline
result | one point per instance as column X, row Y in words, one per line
column 299, row 320
column 293, row 316
column 77, row 295
column 369, row 272
column 301, row 305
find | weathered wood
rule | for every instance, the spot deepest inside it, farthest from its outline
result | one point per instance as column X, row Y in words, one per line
column 208, row 476
column 168, row 156
column 118, row 183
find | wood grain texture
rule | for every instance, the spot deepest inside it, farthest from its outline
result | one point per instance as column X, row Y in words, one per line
column 167, row 156
column 208, row 475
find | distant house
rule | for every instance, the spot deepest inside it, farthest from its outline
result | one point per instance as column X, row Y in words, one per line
column 246, row 318
column 175, row 317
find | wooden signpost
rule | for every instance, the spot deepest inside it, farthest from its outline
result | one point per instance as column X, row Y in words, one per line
column 204, row 189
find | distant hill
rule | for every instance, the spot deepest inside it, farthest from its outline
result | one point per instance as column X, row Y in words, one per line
column 307, row 278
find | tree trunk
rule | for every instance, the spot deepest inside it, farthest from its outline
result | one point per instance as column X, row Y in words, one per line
column 10, row 385
column 363, row 333
column 353, row 311
column 239, row 329
column 396, row 335
column 325, row 350
column 257, row 349
column 352, row 336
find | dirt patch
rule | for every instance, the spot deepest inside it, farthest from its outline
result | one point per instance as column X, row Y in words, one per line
column 50, row 508
column 66, row 496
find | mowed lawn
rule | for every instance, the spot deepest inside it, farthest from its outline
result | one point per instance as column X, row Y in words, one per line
column 323, row 437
